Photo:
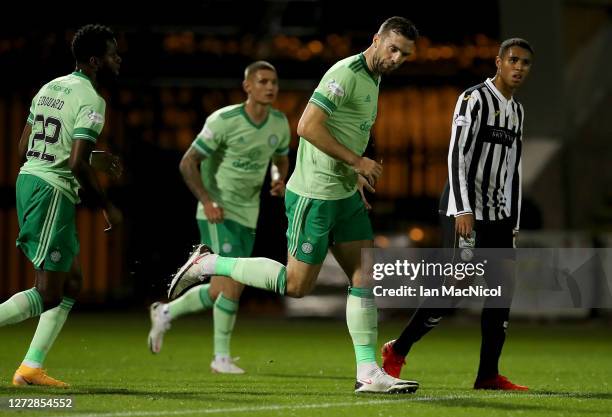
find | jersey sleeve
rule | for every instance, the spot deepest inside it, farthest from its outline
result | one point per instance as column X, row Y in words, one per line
column 283, row 144
column 90, row 119
column 466, row 120
column 335, row 88
column 210, row 137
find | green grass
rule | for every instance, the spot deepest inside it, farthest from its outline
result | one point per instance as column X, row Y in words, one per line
column 306, row 368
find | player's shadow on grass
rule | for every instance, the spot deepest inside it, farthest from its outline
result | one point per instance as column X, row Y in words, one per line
column 580, row 395
column 328, row 377
column 204, row 393
column 484, row 403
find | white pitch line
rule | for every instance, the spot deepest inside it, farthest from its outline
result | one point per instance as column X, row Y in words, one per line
column 306, row 406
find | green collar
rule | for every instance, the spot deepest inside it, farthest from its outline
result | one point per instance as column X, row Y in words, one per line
column 80, row 74
column 365, row 66
column 246, row 116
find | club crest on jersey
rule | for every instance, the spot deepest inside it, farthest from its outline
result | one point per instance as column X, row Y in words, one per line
column 273, row 141
column 95, row 117
column 227, row 247
column 335, row 88
column 461, row 120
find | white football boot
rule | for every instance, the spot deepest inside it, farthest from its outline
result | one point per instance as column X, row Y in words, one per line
column 225, row 365
column 382, row 383
column 189, row 274
column 160, row 323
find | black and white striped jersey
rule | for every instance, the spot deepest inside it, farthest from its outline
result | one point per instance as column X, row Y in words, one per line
column 484, row 157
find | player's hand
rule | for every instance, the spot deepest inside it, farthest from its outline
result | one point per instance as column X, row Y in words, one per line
column 106, row 162
column 514, row 237
column 464, row 224
column 277, row 188
column 361, row 184
column 213, row 212
column 369, row 169
column 113, row 217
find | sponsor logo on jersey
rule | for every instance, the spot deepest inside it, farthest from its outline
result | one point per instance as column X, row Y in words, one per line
column 498, row 135
column 273, row 140
column 59, row 88
column 335, row 88
column 248, row 165
column 307, row 247
column 368, row 99
column 95, row 117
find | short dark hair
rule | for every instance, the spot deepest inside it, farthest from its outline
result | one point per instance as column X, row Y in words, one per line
column 256, row 66
column 401, row 26
column 91, row 40
column 508, row 43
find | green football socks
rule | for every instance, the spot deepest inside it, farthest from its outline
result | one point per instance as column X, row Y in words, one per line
column 224, row 315
column 49, row 326
column 362, row 322
column 195, row 299
column 261, row 273
column 21, row 306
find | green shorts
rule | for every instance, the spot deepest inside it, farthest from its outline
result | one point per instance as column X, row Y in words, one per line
column 47, row 226
column 314, row 225
column 228, row 238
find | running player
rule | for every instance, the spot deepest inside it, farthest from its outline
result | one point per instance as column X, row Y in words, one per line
column 323, row 202
column 233, row 151
column 65, row 120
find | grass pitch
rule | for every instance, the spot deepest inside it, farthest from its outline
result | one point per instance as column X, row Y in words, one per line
column 305, row 368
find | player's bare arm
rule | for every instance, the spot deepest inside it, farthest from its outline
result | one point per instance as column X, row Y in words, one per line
column 312, row 128
column 85, row 174
column 22, row 147
column 189, row 167
column 279, row 175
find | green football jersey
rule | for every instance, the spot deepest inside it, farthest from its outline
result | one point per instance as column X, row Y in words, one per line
column 348, row 94
column 64, row 109
column 238, row 153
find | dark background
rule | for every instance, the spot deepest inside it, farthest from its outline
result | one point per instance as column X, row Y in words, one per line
column 183, row 60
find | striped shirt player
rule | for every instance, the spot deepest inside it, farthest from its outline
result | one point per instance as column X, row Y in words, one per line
column 480, row 207
column 484, row 159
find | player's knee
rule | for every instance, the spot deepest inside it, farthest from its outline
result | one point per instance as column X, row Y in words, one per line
column 72, row 285
column 297, row 289
column 233, row 291
column 51, row 297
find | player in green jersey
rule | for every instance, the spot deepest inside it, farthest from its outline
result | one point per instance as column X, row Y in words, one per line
column 65, row 120
column 323, row 202
column 232, row 152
